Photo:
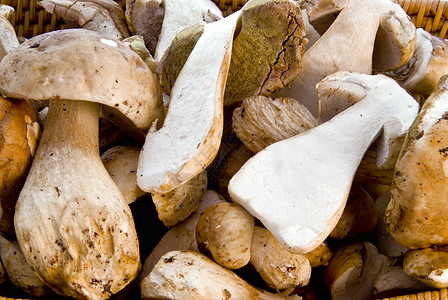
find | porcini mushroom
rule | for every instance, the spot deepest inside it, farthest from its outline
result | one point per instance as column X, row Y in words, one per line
column 19, row 135
column 224, row 230
column 72, row 222
column 191, row 134
column 310, row 175
column 188, row 274
column 415, row 215
column 8, row 38
column 381, row 28
column 104, row 16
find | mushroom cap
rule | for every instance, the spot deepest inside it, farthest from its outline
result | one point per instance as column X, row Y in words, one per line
column 78, row 64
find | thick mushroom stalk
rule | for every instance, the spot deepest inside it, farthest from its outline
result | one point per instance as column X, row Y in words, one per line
column 383, row 31
column 298, row 187
column 72, row 222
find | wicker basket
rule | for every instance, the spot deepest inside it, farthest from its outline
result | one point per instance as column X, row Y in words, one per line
column 430, row 295
column 431, row 15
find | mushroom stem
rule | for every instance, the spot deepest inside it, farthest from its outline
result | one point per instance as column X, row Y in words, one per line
column 85, row 245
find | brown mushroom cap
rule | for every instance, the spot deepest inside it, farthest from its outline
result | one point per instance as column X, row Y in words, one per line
column 63, row 64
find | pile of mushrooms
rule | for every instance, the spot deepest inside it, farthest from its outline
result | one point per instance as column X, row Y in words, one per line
column 165, row 150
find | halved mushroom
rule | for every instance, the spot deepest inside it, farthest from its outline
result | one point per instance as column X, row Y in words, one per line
column 429, row 62
column 105, row 16
column 381, row 28
column 415, row 216
column 319, row 256
column 310, row 175
column 189, row 274
column 191, row 134
column 72, row 222
column 353, row 270
column 7, row 11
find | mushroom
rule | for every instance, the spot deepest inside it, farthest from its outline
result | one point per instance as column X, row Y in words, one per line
column 145, row 18
column 319, row 256
column 428, row 266
column 191, row 134
column 360, row 215
column 392, row 280
column 182, row 236
column 188, row 274
column 137, row 44
column 121, row 164
column 19, row 135
column 260, row 121
column 385, row 242
column 7, row 12
column 104, row 16
column 175, row 206
column 177, row 16
column 381, row 28
column 279, row 268
column 19, row 271
column 353, row 270
column 429, row 62
column 8, row 37
column 224, row 230
column 415, row 215
column 309, row 175
column 72, row 222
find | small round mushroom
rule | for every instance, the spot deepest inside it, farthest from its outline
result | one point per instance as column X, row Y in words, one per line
column 279, row 268
column 225, row 231
column 121, row 164
column 175, row 206
column 319, row 256
column 72, row 222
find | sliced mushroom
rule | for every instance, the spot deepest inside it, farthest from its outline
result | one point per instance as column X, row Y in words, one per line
column 381, row 28
column 261, row 121
column 175, row 206
column 121, row 164
column 72, row 222
column 429, row 265
column 415, row 216
column 309, row 175
column 104, row 16
column 224, row 230
column 19, row 271
column 429, row 62
column 279, row 268
column 191, row 134
column 7, row 11
column 19, row 132
column 189, row 274
column 137, row 44
column 181, row 14
column 353, row 270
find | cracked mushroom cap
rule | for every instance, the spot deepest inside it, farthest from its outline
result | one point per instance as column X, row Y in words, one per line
column 75, row 64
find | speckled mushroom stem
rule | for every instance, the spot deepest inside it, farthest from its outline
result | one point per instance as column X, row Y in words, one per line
column 83, row 244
